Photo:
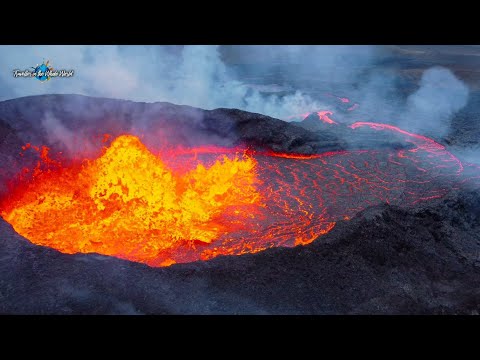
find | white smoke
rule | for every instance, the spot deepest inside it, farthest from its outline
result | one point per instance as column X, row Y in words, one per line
column 58, row 132
column 189, row 75
column 431, row 107
column 203, row 76
column 72, row 141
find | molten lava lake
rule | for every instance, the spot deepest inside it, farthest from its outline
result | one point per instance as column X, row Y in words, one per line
column 183, row 205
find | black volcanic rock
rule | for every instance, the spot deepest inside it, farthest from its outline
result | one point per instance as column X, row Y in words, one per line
column 313, row 123
column 347, row 138
column 386, row 260
column 31, row 116
column 10, row 147
column 55, row 119
column 465, row 127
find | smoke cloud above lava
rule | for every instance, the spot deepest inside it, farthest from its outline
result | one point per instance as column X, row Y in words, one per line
column 68, row 139
column 431, row 107
column 190, row 75
column 278, row 81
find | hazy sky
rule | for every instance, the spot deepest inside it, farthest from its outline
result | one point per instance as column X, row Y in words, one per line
column 210, row 77
column 194, row 75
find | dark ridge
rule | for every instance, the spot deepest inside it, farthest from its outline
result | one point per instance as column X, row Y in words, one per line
column 87, row 116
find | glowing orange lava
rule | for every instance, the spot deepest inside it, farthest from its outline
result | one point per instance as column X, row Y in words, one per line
column 323, row 115
column 127, row 203
column 299, row 116
column 353, row 107
column 342, row 99
column 185, row 204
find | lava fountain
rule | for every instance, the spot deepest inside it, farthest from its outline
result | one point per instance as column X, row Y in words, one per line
column 182, row 205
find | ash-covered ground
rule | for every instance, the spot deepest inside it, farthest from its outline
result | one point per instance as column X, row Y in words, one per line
column 387, row 259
